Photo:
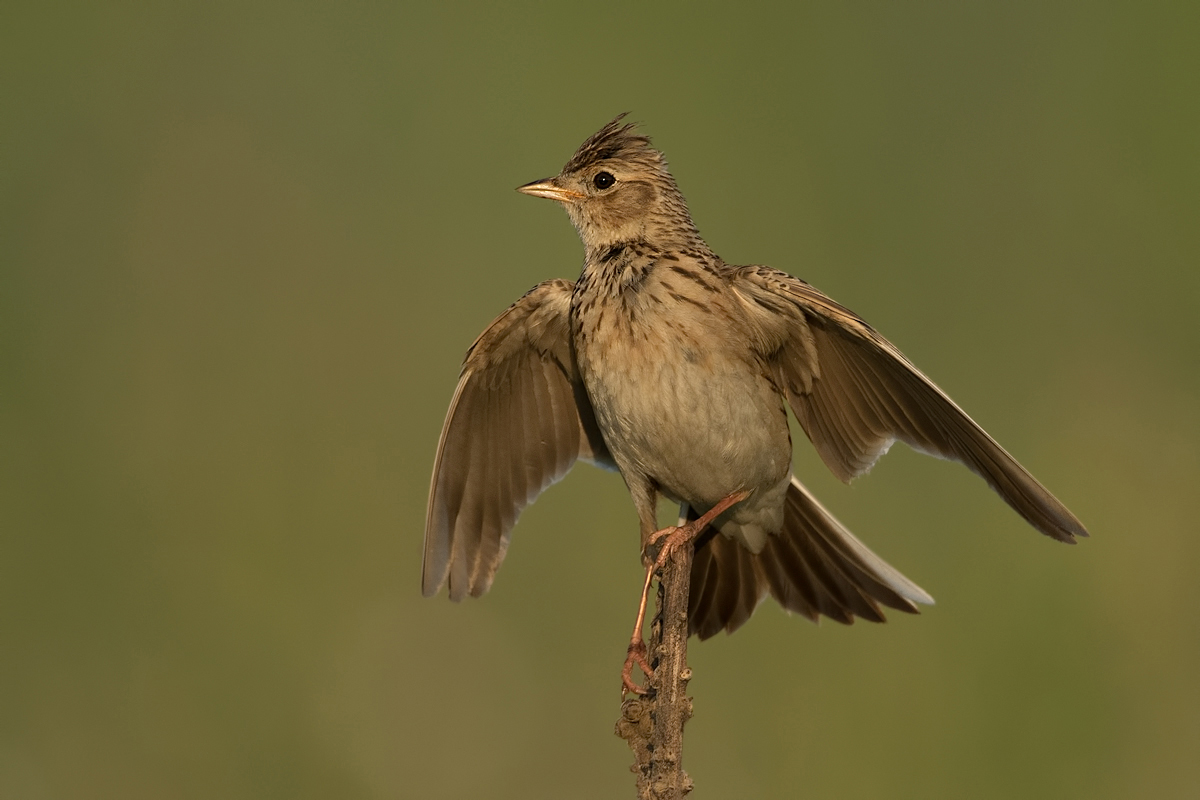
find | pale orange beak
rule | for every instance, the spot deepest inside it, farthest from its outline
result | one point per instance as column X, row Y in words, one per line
column 549, row 189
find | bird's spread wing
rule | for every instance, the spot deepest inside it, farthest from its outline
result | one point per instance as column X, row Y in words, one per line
column 854, row 394
column 519, row 419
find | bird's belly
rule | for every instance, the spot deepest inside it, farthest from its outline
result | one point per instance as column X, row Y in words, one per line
column 699, row 425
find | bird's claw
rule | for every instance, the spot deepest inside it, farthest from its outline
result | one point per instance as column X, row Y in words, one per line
column 661, row 534
column 667, row 540
column 635, row 655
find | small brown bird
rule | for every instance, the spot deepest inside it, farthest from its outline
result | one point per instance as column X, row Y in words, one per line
column 677, row 369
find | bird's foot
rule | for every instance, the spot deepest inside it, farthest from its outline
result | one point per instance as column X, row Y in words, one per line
column 673, row 537
column 665, row 541
column 635, row 655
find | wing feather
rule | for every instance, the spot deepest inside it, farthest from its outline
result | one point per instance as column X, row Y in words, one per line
column 854, row 394
column 518, row 421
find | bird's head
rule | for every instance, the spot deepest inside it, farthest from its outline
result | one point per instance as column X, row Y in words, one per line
column 616, row 188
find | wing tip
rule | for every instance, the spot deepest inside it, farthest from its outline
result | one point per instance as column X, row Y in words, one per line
column 431, row 584
column 1064, row 527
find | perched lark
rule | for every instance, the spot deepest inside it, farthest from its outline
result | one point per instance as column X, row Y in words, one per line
column 677, row 368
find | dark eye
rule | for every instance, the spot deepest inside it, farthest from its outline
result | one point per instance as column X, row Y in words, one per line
column 603, row 180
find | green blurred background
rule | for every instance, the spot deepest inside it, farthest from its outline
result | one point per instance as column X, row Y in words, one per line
column 243, row 247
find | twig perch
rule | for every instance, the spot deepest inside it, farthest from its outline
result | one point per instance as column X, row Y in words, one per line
column 653, row 724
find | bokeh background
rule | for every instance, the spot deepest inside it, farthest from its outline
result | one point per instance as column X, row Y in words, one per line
column 244, row 246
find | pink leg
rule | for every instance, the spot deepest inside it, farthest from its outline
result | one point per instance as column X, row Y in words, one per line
column 673, row 538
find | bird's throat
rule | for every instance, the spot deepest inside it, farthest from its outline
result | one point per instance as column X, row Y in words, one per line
column 619, row 268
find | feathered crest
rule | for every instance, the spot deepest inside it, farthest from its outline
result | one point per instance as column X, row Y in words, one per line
column 614, row 140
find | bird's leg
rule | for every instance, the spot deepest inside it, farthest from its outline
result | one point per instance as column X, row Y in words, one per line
column 637, row 643
column 672, row 538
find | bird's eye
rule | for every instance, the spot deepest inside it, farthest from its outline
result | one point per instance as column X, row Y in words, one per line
column 603, row 180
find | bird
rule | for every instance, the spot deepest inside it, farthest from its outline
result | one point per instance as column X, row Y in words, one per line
column 676, row 369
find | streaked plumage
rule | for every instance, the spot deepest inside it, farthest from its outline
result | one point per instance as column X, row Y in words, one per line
column 676, row 368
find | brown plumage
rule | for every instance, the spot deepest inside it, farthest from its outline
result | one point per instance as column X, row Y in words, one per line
column 673, row 367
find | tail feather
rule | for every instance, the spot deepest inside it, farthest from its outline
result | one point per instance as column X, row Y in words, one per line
column 814, row 566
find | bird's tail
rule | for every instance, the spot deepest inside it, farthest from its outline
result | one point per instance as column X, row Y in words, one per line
column 813, row 566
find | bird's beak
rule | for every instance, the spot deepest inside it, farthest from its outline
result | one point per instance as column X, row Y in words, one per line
column 549, row 188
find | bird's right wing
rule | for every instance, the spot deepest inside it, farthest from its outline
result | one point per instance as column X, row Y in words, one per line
column 519, row 419
column 854, row 394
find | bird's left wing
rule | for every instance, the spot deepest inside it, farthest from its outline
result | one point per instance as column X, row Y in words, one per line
column 854, row 394
column 519, row 419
